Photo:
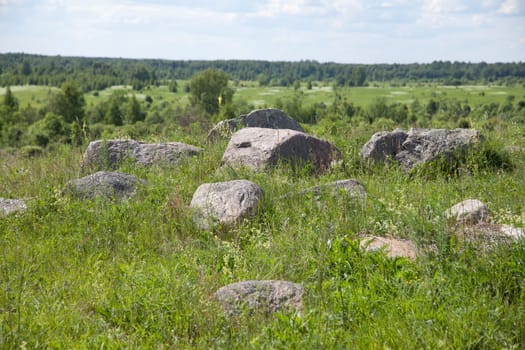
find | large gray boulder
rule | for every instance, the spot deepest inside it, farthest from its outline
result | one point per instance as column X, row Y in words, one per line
column 11, row 206
column 270, row 118
column 113, row 185
column 260, row 148
column 104, row 155
column 267, row 296
column 418, row 146
column 225, row 203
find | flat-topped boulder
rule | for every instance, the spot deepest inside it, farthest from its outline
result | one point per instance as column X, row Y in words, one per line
column 270, row 118
column 225, row 203
column 113, row 185
column 417, row 146
column 11, row 206
column 108, row 155
column 261, row 148
column 267, row 296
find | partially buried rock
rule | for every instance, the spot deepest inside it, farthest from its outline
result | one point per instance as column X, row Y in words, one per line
column 485, row 235
column 418, row 146
column 473, row 224
column 394, row 247
column 270, row 118
column 513, row 233
column 104, row 155
column 225, row 203
column 266, row 296
column 11, row 206
column 260, row 148
column 114, row 185
column 470, row 211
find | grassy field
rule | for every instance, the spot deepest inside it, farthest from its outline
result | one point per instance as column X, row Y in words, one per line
column 260, row 97
column 139, row 274
column 363, row 96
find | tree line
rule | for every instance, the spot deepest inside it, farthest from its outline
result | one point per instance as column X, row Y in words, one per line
column 99, row 73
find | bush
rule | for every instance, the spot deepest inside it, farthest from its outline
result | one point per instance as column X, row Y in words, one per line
column 31, row 151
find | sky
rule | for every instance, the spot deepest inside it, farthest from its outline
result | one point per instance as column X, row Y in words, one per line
column 344, row 31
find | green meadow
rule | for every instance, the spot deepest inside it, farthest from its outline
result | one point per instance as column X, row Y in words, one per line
column 138, row 274
column 321, row 92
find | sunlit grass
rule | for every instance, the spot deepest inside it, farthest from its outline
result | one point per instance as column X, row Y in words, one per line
column 139, row 274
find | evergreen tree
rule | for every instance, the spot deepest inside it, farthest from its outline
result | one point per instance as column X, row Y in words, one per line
column 114, row 114
column 173, row 87
column 69, row 102
column 10, row 101
column 133, row 111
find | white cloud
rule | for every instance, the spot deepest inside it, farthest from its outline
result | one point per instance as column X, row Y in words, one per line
column 295, row 8
column 326, row 30
column 509, row 7
column 488, row 3
column 8, row 2
column 344, row 6
column 115, row 12
column 444, row 6
column 281, row 7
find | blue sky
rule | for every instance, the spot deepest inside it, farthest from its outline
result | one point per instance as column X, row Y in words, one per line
column 346, row 31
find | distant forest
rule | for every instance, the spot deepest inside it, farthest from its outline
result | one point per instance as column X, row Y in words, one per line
column 99, row 73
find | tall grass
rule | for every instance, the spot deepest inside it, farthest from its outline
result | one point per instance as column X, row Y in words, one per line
column 139, row 274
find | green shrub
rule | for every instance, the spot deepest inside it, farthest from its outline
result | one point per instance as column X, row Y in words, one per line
column 31, row 151
column 487, row 156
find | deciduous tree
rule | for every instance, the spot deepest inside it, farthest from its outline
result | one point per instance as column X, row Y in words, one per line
column 209, row 89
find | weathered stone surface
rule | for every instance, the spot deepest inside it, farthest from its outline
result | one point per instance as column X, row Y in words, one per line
column 270, row 118
column 512, row 232
column 384, row 145
column 267, row 296
column 418, row 146
column 10, row 206
column 394, row 247
column 225, row 203
column 103, row 155
column 114, row 185
column 259, row 148
column 470, row 211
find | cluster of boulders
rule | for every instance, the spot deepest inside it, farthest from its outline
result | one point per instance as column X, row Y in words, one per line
column 260, row 140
